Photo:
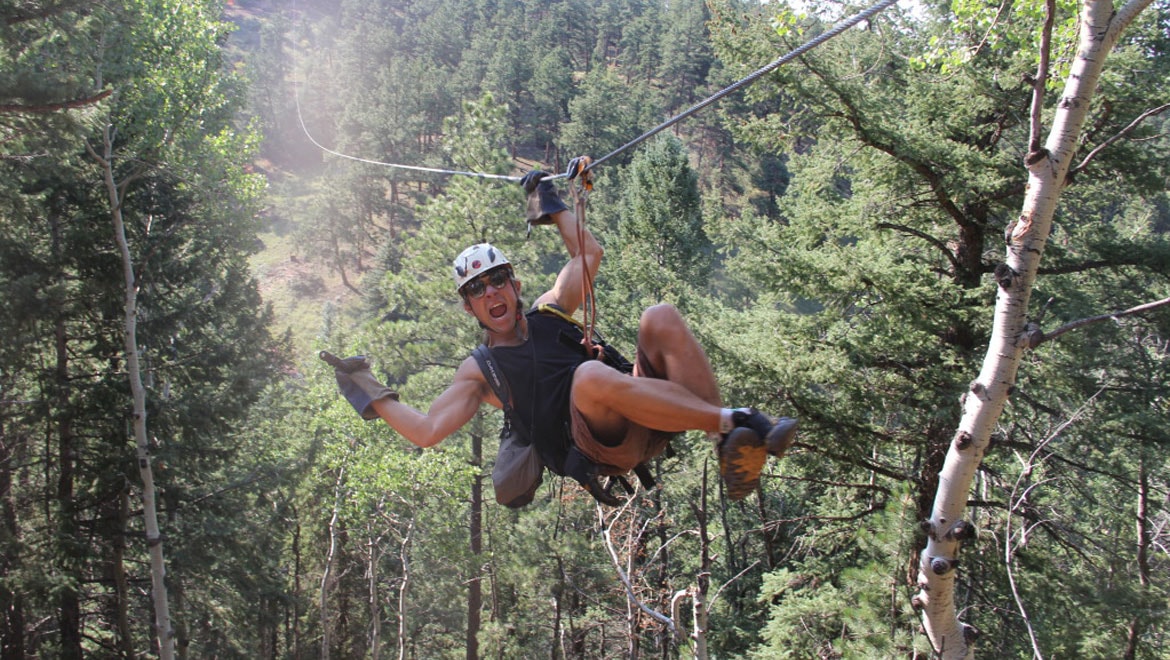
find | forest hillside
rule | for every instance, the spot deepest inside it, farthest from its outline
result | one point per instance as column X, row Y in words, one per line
column 198, row 196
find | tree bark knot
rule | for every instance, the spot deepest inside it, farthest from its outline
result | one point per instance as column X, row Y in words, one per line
column 963, row 440
column 1005, row 275
column 1036, row 156
column 943, row 565
column 1033, row 335
column 961, row 531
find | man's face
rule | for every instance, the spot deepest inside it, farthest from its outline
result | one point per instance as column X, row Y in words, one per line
column 492, row 298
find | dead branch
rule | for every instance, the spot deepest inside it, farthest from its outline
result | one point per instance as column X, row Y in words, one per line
column 1036, row 336
column 625, row 580
column 1038, row 85
column 942, row 247
column 1122, row 133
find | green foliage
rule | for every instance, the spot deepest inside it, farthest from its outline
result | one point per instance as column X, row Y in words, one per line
column 606, row 115
column 202, row 328
column 662, row 252
column 858, row 609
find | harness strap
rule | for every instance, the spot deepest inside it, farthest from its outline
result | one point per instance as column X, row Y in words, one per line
column 499, row 385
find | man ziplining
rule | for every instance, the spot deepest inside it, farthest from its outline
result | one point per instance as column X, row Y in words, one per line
column 584, row 416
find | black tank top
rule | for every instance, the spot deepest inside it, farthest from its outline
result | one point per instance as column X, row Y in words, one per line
column 540, row 375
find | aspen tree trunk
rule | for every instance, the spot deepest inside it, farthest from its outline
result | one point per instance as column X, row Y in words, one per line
column 328, row 576
column 699, row 608
column 1048, row 167
column 404, row 557
column 162, row 615
column 374, row 600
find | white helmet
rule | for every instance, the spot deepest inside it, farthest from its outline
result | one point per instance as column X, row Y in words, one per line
column 477, row 259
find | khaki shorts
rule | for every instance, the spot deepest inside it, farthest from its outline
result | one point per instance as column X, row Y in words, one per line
column 639, row 445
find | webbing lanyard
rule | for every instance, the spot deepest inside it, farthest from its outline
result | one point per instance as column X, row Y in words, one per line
column 580, row 187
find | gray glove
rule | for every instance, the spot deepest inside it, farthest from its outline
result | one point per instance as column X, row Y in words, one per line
column 358, row 384
column 543, row 199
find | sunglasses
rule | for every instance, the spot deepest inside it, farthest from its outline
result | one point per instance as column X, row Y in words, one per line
column 496, row 278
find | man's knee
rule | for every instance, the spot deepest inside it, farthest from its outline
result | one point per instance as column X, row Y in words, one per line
column 662, row 325
column 592, row 377
column 663, row 317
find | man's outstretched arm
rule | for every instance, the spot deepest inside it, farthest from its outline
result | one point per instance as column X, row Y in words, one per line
column 447, row 414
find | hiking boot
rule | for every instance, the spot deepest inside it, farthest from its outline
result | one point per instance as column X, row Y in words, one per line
column 744, row 450
column 741, row 457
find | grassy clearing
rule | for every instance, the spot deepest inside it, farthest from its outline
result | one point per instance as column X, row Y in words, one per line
column 299, row 289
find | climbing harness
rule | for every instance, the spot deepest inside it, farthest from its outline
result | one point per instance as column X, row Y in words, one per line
column 836, row 30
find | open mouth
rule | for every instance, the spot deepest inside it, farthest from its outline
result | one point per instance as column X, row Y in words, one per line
column 498, row 311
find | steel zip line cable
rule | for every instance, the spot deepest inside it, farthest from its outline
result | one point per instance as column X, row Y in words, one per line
column 739, row 84
column 751, row 78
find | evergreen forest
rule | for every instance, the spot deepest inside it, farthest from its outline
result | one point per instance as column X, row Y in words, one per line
column 197, row 197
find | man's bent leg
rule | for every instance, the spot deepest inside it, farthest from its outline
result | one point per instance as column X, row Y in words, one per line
column 685, row 400
column 609, row 399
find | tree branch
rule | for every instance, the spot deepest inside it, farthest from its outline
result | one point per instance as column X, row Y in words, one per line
column 942, row 247
column 1017, row 501
column 730, row 581
column 1122, row 133
column 20, row 109
column 51, row 10
column 1035, row 128
column 625, row 580
column 1081, row 267
column 933, row 179
column 1037, row 336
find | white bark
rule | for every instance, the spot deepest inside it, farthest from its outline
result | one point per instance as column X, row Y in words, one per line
column 328, row 577
column 1100, row 28
column 162, row 615
column 404, row 556
column 373, row 558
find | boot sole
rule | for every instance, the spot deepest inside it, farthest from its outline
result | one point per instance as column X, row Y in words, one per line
column 741, row 458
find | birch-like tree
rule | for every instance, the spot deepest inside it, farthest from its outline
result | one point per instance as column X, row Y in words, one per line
column 1048, row 164
column 148, row 124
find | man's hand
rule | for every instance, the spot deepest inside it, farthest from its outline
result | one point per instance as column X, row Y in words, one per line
column 579, row 167
column 357, row 383
column 543, row 199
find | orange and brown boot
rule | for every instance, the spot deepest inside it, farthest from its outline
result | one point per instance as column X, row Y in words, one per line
column 744, row 450
column 741, row 457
